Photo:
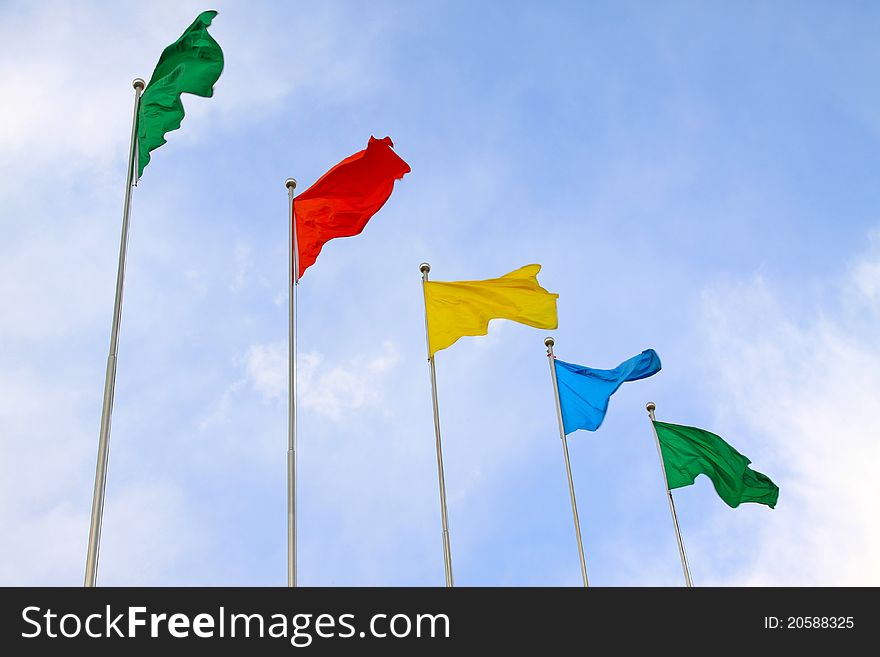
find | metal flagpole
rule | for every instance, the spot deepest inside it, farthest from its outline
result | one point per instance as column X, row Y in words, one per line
column 650, row 407
column 110, row 376
column 549, row 342
column 447, row 551
column 293, row 279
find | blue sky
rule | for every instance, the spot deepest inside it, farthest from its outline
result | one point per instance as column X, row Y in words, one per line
column 695, row 178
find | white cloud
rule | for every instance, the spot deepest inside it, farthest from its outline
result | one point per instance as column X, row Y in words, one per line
column 866, row 274
column 202, row 288
column 67, row 105
column 61, row 103
column 48, row 441
column 330, row 390
column 64, row 128
column 266, row 369
column 220, row 412
column 806, row 390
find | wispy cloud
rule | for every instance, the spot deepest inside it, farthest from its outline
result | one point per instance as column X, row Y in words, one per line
column 331, row 390
column 803, row 385
column 606, row 149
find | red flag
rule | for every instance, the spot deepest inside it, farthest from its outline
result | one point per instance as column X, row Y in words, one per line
column 345, row 198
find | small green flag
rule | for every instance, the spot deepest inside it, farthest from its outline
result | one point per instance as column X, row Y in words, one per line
column 192, row 65
column 688, row 452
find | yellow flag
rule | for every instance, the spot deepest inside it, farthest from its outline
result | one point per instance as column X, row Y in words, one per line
column 465, row 307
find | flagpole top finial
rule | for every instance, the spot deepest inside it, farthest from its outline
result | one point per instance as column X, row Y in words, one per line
column 424, row 267
column 650, row 407
column 290, row 183
column 549, row 342
column 138, row 83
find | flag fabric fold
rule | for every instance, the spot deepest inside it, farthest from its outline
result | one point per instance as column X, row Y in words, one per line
column 192, row 65
column 345, row 198
column 584, row 392
column 460, row 308
column 689, row 452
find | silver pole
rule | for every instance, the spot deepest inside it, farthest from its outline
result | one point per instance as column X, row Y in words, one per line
column 447, row 551
column 549, row 342
column 110, row 376
column 293, row 275
column 650, row 407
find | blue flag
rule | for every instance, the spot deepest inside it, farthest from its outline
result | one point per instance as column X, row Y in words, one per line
column 584, row 392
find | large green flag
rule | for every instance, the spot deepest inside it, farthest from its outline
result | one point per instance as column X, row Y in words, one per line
column 688, row 452
column 192, row 65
